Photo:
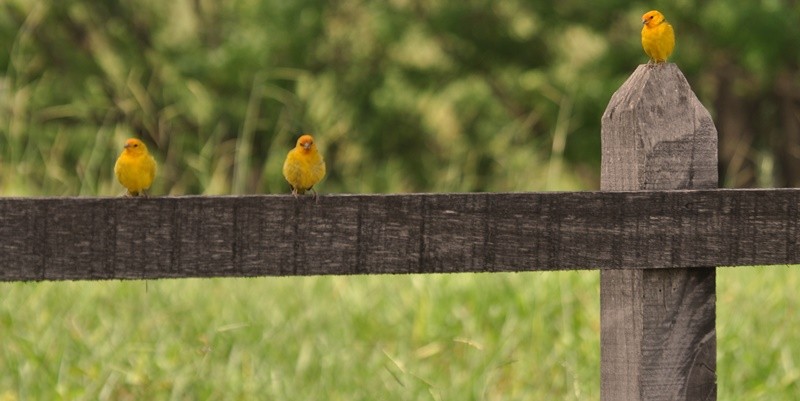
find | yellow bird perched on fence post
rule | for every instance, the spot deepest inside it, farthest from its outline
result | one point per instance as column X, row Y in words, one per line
column 658, row 38
column 135, row 168
column 304, row 166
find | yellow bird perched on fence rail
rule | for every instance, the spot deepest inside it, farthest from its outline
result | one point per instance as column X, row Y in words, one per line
column 658, row 38
column 304, row 166
column 135, row 168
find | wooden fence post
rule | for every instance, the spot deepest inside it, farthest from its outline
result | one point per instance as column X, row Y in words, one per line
column 658, row 325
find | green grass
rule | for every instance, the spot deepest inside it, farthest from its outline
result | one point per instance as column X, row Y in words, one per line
column 492, row 337
column 444, row 337
column 758, row 316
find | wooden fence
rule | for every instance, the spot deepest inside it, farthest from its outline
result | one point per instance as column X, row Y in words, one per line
column 656, row 231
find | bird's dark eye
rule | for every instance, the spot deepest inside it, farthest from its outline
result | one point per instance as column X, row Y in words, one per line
column 135, row 145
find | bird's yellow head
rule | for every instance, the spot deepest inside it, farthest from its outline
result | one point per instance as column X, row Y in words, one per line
column 652, row 18
column 134, row 147
column 306, row 142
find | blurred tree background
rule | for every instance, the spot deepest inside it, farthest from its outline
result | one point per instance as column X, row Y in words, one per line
column 403, row 95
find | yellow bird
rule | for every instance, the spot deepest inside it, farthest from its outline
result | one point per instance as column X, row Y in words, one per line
column 135, row 168
column 304, row 166
column 658, row 38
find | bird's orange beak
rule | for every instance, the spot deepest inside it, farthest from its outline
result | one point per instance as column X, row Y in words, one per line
column 644, row 21
column 127, row 145
column 307, row 145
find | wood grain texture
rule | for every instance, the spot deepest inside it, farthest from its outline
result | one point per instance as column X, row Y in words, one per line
column 656, row 134
column 119, row 238
column 658, row 326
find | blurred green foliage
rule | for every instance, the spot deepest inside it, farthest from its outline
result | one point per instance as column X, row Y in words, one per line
column 403, row 95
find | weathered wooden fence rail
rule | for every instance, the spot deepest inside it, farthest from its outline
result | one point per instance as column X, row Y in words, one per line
column 240, row 236
column 656, row 238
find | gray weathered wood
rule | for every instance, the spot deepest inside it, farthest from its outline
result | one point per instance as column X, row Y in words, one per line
column 120, row 238
column 658, row 326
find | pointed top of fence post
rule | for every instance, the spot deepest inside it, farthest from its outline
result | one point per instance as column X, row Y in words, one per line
column 657, row 135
